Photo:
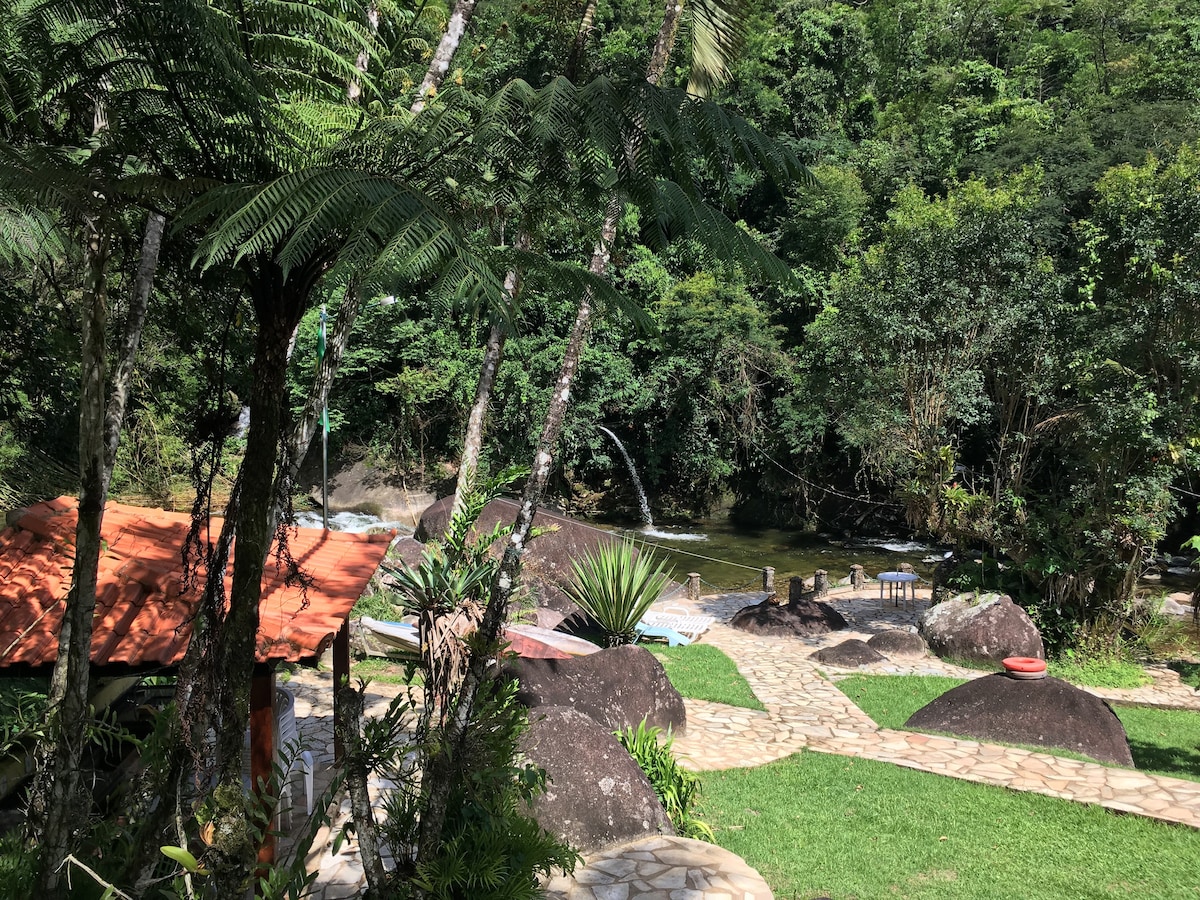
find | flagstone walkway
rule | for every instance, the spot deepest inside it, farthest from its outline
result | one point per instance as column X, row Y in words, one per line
column 806, row 711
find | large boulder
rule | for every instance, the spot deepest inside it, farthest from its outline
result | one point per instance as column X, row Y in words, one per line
column 596, row 795
column 984, row 630
column 546, row 562
column 898, row 642
column 361, row 487
column 617, row 688
column 1045, row 712
column 849, row 654
column 799, row 618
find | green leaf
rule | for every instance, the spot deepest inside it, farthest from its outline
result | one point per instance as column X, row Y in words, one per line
column 181, row 856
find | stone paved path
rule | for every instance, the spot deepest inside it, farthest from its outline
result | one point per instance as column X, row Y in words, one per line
column 804, row 711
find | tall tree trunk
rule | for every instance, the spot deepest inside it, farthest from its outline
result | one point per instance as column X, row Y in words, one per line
column 665, row 41
column 55, row 803
column 253, row 527
column 439, row 773
column 456, row 27
column 230, row 643
column 358, row 771
column 557, row 410
column 493, row 355
column 468, row 464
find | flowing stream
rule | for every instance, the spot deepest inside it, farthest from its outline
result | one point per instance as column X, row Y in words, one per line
column 732, row 557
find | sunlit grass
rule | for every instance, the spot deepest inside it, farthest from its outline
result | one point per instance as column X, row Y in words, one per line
column 820, row 825
column 1162, row 741
column 702, row 672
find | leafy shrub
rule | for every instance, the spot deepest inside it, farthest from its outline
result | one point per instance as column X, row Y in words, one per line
column 1098, row 671
column 676, row 787
column 616, row 585
column 491, row 847
column 460, row 758
column 18, row 866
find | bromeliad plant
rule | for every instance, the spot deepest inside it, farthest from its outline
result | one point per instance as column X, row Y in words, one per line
column 616, row 585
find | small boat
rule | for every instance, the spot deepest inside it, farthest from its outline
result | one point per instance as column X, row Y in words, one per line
column 527, row 641
column 395, row 634
column 567, row 643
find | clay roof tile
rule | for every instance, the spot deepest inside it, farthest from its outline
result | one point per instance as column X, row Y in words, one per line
column 143, row 613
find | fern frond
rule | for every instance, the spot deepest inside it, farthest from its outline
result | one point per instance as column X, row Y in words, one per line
column 676, row 212
column 28, row 234
column 545, row 273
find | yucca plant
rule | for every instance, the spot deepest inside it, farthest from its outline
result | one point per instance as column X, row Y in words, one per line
column 615, row 585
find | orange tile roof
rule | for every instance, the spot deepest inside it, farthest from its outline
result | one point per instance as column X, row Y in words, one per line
column 143, row 613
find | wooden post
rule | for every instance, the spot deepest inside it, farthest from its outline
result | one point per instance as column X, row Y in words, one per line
column 858, row 577
column 693, row 586
column 821, row 582
column 262, row 746
column 341, row 678
column 795, row 589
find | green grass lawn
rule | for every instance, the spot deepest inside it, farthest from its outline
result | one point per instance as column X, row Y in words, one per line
column 820, row 825
column 1162, row 741
column 702, row 672
column 384, row 671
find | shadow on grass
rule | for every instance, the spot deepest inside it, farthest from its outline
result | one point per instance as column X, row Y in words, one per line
column 1188, row 671
column 1177, row 762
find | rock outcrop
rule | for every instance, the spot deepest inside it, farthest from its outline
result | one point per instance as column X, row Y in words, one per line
column 984, row 630
column 798, row 618
column 1045, row 712
column 617, row 688
column 596, row 795
column 898, row 642
column 849, row 654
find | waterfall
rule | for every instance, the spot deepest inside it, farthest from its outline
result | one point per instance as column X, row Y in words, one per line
column 637, row 482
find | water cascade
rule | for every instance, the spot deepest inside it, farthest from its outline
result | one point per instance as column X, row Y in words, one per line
column 637, row 482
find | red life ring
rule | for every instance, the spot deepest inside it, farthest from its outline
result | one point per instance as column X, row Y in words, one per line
column 1024, row 664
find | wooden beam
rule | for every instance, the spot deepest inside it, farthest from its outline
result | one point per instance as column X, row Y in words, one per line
column 262, row 746
column 341, row 676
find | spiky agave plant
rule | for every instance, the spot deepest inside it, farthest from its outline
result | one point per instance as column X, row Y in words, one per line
column 616, row 585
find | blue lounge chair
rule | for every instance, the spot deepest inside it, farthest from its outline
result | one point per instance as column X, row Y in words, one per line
column 670, row 635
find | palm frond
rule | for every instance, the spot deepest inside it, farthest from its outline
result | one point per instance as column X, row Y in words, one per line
column 717, row 29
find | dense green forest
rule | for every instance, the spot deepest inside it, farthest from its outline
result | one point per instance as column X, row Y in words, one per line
column 911, row 264
column 989, row 330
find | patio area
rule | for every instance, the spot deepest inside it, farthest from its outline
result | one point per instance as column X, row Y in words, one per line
column 804, row 710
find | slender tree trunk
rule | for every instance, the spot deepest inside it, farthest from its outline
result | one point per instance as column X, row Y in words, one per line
column 456, row 27
column 493, row 355
column 586, row 23
column 297, row 443
column 468, row 465
column 556, row 411
column 552, row 425
column 55, row 804
column 665, row 41
column 357, row 774
column 440, row 774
